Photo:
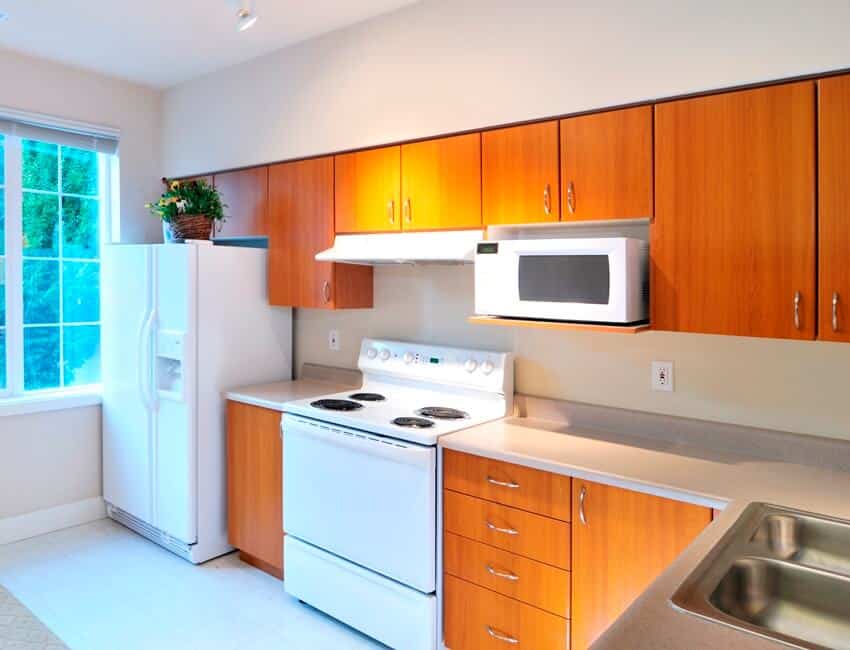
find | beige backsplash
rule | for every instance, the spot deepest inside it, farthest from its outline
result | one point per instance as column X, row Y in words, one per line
column 785, row 385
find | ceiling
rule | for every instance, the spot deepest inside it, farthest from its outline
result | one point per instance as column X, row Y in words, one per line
column 163, row 42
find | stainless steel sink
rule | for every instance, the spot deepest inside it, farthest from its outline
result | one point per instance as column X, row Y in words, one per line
column 779, row 573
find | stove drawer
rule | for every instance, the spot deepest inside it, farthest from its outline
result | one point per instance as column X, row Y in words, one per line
column 365, row 498
column 479, row 619
column 513, row 485
column 509, row 574
column 533, row 536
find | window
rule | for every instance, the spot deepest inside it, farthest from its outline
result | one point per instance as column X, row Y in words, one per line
column 53, row 204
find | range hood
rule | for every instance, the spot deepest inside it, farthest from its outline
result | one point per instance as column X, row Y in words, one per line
column 439, row 247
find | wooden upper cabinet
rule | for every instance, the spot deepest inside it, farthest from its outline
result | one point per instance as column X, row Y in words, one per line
column 834, row 202
column 733, row 241
column 301, row 224
column 606, row 165
column 246, row 194
column 621, row 543
column 441, row 183
column 367, row 190
column 254, row 485
column 520, row 174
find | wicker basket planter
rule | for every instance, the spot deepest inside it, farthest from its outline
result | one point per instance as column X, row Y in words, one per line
column 191, row 226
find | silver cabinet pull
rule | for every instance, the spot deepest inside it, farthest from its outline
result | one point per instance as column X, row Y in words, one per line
column 835, row 311
column 547, row 200
column 326, row 291
column 797, row 299
column 391, row 211
column 581, row 496
column 571, row 197
column 406, row 209
column 513, row 577
column 504, row 484
column 502, row 637
column 506, row 531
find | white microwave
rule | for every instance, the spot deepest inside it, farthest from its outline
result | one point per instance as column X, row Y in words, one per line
column 592, row 280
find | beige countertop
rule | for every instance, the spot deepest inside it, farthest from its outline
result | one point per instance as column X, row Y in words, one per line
column 716, row 475
column 315, row 380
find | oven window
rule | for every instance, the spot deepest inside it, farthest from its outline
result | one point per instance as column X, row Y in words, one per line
column 564, row 278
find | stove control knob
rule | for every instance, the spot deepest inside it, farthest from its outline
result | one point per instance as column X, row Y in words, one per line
column 408, row 357
column 371, row 353
column 487, row 367
column 385, row 354
column 470, row 365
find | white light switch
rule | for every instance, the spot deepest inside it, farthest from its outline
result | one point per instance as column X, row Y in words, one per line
column 662, row 376
column 333, row 340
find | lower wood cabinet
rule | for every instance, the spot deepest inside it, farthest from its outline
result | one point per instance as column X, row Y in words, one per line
column 622, row 541
column 255, row 485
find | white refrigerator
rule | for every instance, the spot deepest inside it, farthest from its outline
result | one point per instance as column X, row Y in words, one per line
column 181, row 323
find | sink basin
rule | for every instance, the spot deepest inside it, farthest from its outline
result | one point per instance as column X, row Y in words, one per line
column 778, row 573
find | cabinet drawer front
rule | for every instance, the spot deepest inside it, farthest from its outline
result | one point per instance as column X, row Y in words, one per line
column 513, row 485
column 539, row 538
column 531, row 582
column 475, row 618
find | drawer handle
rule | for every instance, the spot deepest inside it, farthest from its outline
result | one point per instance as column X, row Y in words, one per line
column 581, row 497
column 501, row 637
column 513, row 577
column 507, row 484
column 506, row 531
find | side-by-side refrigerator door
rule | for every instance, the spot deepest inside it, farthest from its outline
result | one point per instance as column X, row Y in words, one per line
column 127, row 317
column 175, row 392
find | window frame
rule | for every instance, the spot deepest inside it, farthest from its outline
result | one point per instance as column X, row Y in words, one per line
column 14, row 396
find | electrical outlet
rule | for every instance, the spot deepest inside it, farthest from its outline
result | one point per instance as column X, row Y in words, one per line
column 662, row 375
column 333, row 340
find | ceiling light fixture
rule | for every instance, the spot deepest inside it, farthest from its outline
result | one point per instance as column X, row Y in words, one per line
column 245, row 16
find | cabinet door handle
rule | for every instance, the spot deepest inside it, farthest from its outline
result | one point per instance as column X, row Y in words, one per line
column 326, row 291
column 835, row 311
column 571, row 198
column 797, row 299
column 502, row 637
column 504, row 484
column 547, row 200
column 507, row 575
column 391, row 211
column 581, row 497
column 506, row 531
column 406, row 209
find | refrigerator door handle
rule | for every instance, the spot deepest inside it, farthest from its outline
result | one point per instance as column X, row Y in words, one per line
column 144, row 353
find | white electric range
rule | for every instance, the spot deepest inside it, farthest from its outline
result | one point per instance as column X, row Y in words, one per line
column 360, row 483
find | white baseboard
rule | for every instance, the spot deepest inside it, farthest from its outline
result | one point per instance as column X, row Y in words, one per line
column 14, row 529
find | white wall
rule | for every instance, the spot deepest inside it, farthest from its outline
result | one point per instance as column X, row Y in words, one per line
column 52, row 459
column 31, row 84
column 448, row 65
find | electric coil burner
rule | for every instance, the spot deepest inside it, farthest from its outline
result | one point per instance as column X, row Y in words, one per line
column 442, row 413
column 416, row 423
column 336, row 405
column 368, row 397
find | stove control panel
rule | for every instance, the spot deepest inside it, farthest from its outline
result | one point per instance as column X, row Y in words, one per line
column 479, row 369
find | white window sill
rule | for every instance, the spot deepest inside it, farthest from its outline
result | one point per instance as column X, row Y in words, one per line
column 50, row 401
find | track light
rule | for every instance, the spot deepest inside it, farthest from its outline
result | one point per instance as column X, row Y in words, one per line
column 246, row 16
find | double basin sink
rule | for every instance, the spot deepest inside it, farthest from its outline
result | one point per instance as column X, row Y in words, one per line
column 779, row 573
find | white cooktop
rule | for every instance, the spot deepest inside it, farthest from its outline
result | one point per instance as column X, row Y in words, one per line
column 411, row 377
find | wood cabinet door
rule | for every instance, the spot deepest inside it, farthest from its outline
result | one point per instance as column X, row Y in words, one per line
column 733, row 241
column 834, row 202
column 441, row 183
column 255, row 483
column 606, row 165
column 622, row 541
column 367, row 190
column 301, row 224
column 520, row 174
column 246, row 194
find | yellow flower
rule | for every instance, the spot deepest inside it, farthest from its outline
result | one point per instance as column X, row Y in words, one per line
column 175, row 185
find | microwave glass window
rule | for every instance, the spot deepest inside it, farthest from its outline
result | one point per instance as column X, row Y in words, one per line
column 565, row 278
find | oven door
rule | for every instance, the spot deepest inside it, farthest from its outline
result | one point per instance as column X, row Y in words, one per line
column 366, row 498
column 557, row 279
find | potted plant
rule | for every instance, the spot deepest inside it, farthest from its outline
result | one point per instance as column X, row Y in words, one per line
column 188, row 209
